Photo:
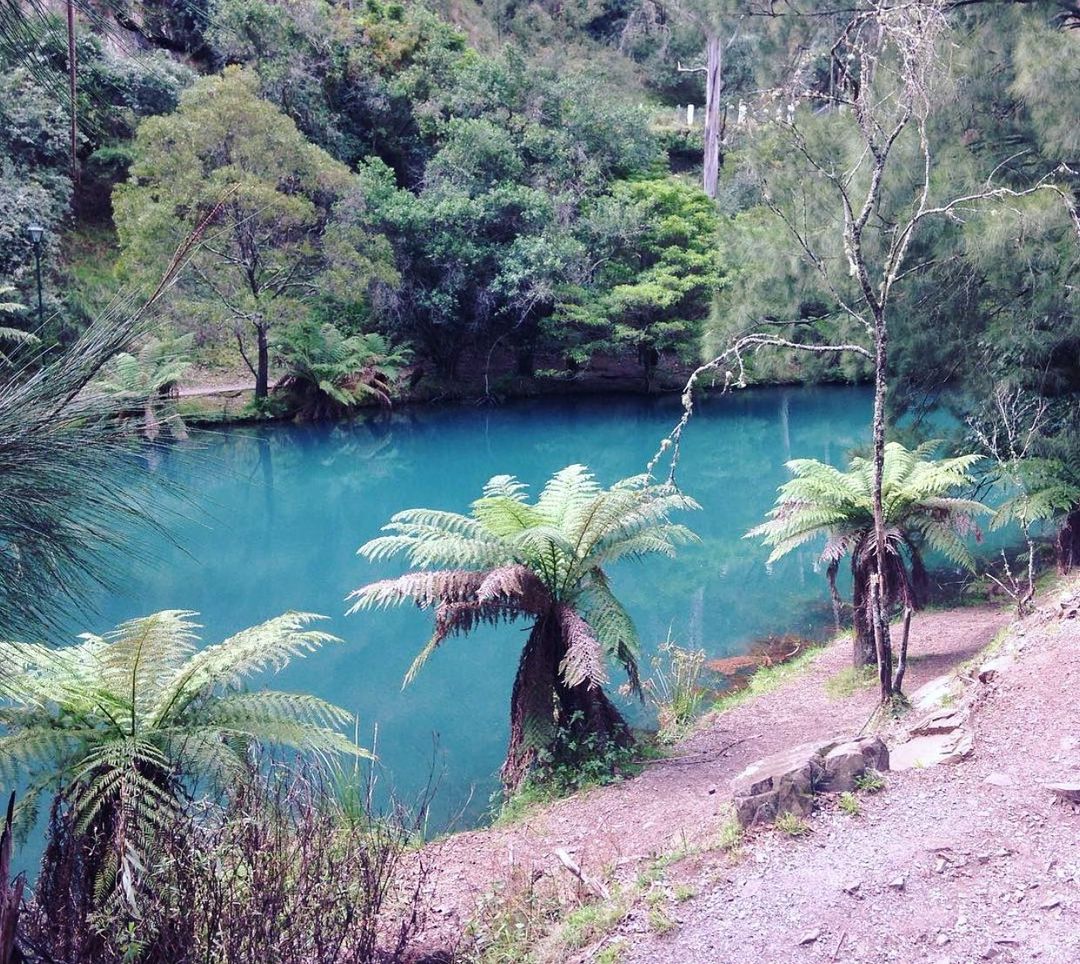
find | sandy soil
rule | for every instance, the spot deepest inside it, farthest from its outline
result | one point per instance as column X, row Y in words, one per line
column 679, row 803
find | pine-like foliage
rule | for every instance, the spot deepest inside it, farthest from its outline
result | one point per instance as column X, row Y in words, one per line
column 920, row 513
column 327, row 373
column 542, row 561
column 120, row 727
column 62, row 455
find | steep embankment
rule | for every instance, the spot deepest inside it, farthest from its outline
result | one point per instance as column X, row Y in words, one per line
column 677, row 807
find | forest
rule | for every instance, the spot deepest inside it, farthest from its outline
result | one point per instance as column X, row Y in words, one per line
column 544, row 242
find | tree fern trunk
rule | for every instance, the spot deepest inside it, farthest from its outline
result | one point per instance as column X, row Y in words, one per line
column 541, row 704
column 864, row 650
column 532, row 703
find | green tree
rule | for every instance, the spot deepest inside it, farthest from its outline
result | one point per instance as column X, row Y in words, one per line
column 328, row 373
column 280, row 227
column 920, row 513
column 121, row 727
column 657, row 268
column 543, row 561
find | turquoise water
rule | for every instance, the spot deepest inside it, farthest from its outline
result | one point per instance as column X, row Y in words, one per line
column 277, row 513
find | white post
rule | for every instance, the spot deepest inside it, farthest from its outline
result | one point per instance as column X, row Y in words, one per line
column 689, row 115
column 742, row 113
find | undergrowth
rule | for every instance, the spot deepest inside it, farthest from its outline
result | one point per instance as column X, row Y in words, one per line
column 844, row 684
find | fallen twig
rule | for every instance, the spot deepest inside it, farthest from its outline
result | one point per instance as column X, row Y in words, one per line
column 596, row 886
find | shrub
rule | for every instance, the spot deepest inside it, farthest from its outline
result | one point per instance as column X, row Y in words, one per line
column 675, row 688
column 283, row 871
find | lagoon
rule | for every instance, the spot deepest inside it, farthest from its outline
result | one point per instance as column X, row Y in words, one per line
column 271, row 518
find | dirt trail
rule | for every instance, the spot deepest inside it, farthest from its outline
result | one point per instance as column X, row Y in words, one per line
column 975, row 861
column 680, row 801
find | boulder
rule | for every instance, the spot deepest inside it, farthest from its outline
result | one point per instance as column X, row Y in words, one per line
column 782, row 783
column 845, row 763
column 787, row 781
column 928, row 751
column 1069, row 792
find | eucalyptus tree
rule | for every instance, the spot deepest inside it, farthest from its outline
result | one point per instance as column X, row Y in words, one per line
column 920, row 513
column 543, row 562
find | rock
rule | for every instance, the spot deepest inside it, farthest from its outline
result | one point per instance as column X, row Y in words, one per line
column 809, row 937
column 782, row 783
column 1000, row 780
column 944, row 719
column 932, row 694
column 898, row 883
column 1065, row 791
column 927, row 751
column 853, row 887
column 991, row 669
column 1050, row 903
column 845, row 763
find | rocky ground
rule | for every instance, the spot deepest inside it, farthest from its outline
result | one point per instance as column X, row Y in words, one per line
column 951, row 863
column 971, row 861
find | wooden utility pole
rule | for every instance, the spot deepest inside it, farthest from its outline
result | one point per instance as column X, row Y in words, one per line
column 72, row 71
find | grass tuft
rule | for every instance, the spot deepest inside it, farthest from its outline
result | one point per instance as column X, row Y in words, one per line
column 845, row 683
column 792, row 825
column 849, row 804
column 869, row 782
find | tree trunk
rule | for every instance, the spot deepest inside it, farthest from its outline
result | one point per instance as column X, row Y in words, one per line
column 262, row 371
column 879, row 597
column 541, row 704
column 713, row 88
column 1068, row 542
column 532, row 702
column 10, row 894
column 864, row 650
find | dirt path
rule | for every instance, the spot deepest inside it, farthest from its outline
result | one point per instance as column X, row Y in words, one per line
column 226, row 387
column 680, row 801
column 969, row 862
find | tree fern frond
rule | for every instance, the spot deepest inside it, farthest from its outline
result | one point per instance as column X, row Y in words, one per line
column 427, row 588
column 584, row 659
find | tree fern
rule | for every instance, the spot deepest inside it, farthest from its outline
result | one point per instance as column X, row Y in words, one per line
column 328, row 373
column 821, row 501
column 542, row 561
column 122, row 726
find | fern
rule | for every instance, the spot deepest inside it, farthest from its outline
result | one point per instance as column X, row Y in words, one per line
column 123, row 725
column 821, row 501
column 543, row 561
